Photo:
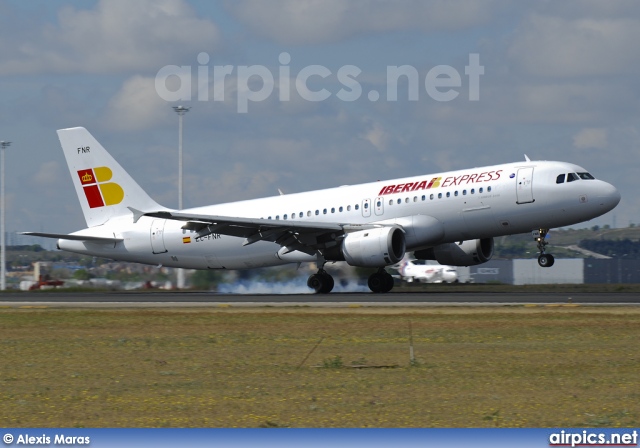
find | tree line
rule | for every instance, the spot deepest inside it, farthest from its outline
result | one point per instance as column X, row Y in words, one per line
column 625, row 248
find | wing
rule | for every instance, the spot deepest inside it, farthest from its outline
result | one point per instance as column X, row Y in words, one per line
column 304, row 236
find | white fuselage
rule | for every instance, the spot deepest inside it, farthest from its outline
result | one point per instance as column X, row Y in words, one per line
column 475, row 203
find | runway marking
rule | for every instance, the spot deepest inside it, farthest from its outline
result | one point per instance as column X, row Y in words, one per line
column 562, row 305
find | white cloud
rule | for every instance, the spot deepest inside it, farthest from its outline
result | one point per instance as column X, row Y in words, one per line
column 49, row 175
column 296, row 22
column 117, row 36
column 587, row 138
column 137, row 106
column 377, row 136
column 556, row 46
column 590, row 8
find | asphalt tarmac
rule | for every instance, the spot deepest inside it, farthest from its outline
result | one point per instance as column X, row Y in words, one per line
column 204, row 299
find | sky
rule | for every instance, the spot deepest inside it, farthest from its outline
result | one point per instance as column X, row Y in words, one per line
column 297, row 94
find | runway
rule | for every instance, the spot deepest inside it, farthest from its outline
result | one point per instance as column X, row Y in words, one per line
column 209, row 299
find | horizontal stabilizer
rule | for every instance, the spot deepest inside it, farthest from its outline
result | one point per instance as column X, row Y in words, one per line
column 63, row 236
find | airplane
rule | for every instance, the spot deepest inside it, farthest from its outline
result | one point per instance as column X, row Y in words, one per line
column 450, row 217
column 425, row 271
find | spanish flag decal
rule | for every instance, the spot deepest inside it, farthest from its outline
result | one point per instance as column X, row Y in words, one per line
column 186, row 240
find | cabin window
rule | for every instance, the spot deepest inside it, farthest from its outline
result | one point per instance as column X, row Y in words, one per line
column 317, row 212
column 301, row 215
column 431, row 197
column 399, row 201
column 448, row 194
column 439, row 195
column 357, row 207
column 277, row 217
column 424, row 198
column 415, row 199
column 480, row 190
column 456, row 193
column 473, row 191
column 348, row 208
column 464, row 192
column 324, row 211
column 390, row 201
column 340, row 209
column 488, row 189
column 285, row 216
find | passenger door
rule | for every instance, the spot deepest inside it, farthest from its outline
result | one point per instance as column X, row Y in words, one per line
column 524, row 186
column 366, row 208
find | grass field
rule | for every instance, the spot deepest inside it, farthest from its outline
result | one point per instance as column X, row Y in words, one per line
column 227, row 367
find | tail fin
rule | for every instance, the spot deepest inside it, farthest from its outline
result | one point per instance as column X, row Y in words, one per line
column 104, row 188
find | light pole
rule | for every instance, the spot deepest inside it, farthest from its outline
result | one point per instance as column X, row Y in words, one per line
column 180, row 110
column 3, row 255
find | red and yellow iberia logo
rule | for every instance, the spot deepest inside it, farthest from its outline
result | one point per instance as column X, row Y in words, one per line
column 97, row 189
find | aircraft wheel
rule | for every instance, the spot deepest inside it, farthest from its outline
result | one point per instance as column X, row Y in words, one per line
column 329, row 283
column 546, row 260
column 375, row 283
column 321, row 283
column 380, row 282
column 388, row 282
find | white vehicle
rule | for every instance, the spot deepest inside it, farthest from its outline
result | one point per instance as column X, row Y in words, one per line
column 449, row 217
column 426, row 271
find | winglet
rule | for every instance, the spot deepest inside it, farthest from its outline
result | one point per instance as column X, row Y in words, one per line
column 526, row 157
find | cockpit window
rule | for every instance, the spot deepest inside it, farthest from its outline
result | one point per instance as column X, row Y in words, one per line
column 560, row 179
column 586, row 176
column 571, row 177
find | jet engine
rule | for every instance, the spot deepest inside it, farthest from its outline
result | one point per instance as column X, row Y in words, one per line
column 377, row 247
column 464, row 253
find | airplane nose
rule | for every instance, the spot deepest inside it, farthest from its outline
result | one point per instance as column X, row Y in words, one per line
column 608, row 196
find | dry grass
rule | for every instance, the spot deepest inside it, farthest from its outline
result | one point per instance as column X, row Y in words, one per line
column 516, row 367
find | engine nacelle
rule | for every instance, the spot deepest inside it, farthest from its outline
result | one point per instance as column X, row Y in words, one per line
column 374, row 248
column 466, row 253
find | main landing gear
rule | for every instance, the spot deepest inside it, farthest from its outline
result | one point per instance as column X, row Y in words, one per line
column 322, row 282
column 380, row 281
column 544, row 260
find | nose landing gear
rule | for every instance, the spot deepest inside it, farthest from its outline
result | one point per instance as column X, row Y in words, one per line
column 544, row 260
